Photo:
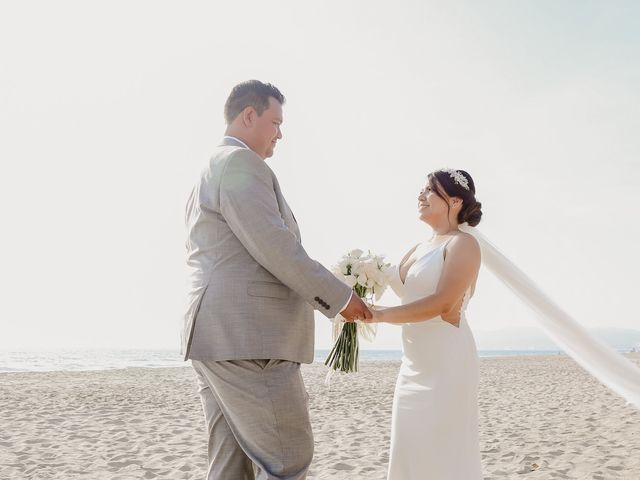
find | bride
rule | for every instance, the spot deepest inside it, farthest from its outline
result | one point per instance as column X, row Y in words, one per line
column 434, row 426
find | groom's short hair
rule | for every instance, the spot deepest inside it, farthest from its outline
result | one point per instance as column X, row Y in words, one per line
column 252, row 93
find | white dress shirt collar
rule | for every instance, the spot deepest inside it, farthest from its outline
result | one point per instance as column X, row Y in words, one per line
column 237, row 140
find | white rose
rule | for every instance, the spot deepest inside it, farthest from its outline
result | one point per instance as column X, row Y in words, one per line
column 363, row 279
column 350, row 280
column 372, row 267
column 344, row 266
column 380, row 277
column 357, row 268
column 378, row 293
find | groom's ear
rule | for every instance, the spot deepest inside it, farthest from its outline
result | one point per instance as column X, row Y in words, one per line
column 249, row 115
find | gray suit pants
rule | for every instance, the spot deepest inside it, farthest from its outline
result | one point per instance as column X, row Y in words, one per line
column 257, row 419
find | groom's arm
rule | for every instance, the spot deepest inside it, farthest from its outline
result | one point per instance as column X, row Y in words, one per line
column 249, row 204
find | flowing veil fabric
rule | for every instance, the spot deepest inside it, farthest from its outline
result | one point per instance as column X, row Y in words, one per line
column 608, row 366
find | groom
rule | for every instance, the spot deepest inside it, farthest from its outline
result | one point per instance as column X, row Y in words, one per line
column 253, row 289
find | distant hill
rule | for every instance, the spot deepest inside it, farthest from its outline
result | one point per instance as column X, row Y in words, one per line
column 532, row 338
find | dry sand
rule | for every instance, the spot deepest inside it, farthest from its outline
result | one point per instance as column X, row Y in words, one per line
column 541, row 418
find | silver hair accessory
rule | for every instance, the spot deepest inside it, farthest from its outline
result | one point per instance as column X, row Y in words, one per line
column 457, row 177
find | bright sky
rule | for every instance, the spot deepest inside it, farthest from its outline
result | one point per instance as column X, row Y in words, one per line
column 109, row 110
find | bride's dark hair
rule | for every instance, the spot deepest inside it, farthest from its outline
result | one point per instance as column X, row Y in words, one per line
column 441, row 183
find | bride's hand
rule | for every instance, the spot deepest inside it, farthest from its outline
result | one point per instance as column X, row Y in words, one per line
column 453, row 315
column 375, row 312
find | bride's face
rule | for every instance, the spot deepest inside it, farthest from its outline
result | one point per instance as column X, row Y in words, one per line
column 432, row 208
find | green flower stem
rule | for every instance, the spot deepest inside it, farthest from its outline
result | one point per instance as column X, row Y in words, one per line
column 345, row 354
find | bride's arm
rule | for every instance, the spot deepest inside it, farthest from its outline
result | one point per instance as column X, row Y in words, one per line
column 460, row 269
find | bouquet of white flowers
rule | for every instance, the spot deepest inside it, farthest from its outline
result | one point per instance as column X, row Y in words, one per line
column 368, row 276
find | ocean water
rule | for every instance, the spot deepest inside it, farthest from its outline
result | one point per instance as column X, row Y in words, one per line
column 381, row 355
column 86, row 359
column 108, row 359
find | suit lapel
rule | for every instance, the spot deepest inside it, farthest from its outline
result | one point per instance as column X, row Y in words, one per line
column 285, row 210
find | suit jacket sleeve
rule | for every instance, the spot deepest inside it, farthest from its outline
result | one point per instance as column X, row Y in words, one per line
column 249, row 204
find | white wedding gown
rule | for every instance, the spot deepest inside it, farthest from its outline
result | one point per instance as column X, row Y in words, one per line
column 434, row 427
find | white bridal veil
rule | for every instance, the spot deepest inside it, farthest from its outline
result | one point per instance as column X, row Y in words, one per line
column 608, row 366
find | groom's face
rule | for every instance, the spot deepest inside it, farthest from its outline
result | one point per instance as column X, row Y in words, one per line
column 267, row 129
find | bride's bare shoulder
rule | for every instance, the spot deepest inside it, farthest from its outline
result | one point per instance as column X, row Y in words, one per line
column 464, row 241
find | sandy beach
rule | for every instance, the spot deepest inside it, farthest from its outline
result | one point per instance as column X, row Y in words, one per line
column 540, row 418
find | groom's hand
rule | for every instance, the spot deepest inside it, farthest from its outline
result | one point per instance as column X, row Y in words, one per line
column 356, row 310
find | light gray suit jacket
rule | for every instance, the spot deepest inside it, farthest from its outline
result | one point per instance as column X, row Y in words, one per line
column 252, row 286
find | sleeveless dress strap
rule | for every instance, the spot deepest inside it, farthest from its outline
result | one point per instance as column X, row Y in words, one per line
column 444, row 245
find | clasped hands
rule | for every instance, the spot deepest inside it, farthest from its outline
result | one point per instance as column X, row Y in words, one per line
column 369, row 313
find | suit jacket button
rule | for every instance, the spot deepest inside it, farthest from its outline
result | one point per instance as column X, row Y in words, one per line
column 327, row 306
column 317, row 299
